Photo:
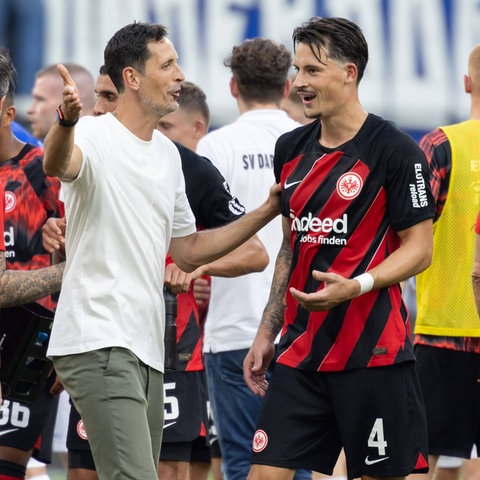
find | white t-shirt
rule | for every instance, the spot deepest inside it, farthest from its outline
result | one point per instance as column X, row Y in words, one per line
column 126, row 203
column 243, row 152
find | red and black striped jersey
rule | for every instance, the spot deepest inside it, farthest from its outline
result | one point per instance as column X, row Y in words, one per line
column 438, row 152
column 30, row 198
column 213, row 205
column 345, row 207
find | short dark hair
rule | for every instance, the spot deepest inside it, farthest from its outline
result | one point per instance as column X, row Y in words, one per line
column 193, row 98
column 8, row 74
column 129, row 48
column 341, row 39
column 260, row 67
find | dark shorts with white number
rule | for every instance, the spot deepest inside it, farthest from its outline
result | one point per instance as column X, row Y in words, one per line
column 185, row 414
column 451, row 388
column 28, row 426
column 376, row 414
column 185, row 410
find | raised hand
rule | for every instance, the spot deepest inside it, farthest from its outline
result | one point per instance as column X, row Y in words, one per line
column 71, row 105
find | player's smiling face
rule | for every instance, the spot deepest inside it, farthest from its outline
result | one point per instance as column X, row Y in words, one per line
column 320, row 84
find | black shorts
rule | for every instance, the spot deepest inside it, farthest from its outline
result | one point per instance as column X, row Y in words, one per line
column 451, row 390
column 185, row 406
column 77, row 438
column 194, row 451
column 185, row 415
column 200, row 450
column 28, row 426
column 79, row 452
column 376, row 414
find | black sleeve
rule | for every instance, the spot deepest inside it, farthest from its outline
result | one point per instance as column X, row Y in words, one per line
column 409, row 197
column 207, row 191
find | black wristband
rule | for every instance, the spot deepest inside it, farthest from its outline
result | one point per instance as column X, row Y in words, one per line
column 61, row 120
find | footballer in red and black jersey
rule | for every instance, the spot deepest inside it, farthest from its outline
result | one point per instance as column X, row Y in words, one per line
column 30, row 198
column 212, row 205
column 345, row 206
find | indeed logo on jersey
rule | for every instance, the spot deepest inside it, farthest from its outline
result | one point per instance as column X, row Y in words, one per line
column 9, row 238
column 320, row 227
column 9, row 235
column 418, row 192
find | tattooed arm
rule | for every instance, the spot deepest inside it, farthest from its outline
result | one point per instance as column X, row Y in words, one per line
column 18, row 287
column 263, row 348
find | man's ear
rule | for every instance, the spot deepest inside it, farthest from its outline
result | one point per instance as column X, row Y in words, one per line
column 467, row 83
column 200, row 128
column 351, row 73
column 234, row 88
column 131, row 78
column 287, row 88
column 7, row 113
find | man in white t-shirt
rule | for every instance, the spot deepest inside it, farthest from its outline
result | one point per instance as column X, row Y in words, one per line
column 243, row 152
column 125, row 200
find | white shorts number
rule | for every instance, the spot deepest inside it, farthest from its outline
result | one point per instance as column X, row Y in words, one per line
column 18, row 415
column 172, row 410
column 377, row 437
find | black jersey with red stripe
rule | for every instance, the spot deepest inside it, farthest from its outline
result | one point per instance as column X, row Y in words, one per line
column 30, row 198
column 345, row 207
column 213, row 205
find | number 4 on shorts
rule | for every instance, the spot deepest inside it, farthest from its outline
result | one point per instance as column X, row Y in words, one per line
column 377, row 437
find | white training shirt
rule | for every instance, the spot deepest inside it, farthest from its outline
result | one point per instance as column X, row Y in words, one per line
column 126, row 203
column 243, row 152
